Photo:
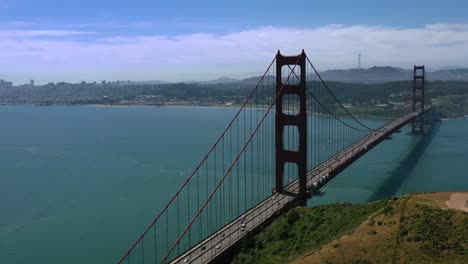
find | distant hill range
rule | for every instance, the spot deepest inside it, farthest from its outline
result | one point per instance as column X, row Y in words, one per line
column 376, row 74
column 146, row 82
column 389, row 74
column 216, row 81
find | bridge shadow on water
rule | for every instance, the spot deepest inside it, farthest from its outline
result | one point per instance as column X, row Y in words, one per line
column 391, row 185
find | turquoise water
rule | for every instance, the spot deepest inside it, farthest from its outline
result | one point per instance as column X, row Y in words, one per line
column 406, row 164
column 78, row 184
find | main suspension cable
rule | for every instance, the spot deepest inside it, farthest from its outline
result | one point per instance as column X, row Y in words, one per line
column 336, row 117
column 336, row 99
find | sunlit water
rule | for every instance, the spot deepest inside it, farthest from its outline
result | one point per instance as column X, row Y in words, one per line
column 78, row 184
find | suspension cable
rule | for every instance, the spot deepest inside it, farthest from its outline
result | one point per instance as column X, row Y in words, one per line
column 336, row 99
column 197, row 168
column 229, row 170
column 336, row 117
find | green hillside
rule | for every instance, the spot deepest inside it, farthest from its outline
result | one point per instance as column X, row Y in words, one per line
column 410, row 229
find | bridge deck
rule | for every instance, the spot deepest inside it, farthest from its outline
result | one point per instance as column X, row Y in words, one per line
column 230, row 234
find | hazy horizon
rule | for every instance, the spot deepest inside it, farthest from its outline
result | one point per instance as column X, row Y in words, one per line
column 237, row 76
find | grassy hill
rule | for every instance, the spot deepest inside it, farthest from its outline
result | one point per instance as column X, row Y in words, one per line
column 411, row 229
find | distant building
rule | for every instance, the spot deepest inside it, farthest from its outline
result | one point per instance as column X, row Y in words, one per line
column 5, row 84
column 103, row 83
column 83, row 82
column 31, row 83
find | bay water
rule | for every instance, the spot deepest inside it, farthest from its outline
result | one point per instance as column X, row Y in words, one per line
column 79, row 184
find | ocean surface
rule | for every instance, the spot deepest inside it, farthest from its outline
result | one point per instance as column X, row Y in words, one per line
column 79, row 184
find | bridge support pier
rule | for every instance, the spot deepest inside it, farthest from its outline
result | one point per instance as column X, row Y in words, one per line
column 282, row 119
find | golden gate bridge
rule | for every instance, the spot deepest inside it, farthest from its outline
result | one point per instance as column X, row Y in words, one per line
column 289, row 138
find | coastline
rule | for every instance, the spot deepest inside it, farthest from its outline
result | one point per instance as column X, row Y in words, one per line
column 190, row 105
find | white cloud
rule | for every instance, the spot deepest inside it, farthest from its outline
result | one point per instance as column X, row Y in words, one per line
column 205, row 55
column 448, row 27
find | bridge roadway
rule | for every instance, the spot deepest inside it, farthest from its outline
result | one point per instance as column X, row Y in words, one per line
column 223, row 239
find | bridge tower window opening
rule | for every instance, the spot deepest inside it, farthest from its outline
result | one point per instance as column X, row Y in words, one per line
column 291, row 138
column 291, row 104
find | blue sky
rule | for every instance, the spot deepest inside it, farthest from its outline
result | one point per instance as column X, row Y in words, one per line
column 179, row 40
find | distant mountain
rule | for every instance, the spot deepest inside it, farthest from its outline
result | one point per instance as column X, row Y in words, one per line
column 376, row 74
column 220, row 80
column 449, row 75
column 216, row 81
column 445, row 68
column 148, row 82
column 389, row 74
column 371, row 75
column 256, row 79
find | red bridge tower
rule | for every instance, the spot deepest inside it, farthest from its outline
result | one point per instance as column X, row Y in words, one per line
column 282, row 119
column 418, row 99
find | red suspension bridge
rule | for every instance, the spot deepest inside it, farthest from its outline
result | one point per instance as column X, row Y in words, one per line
column 290, row 137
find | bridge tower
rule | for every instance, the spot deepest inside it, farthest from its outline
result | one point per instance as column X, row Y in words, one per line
column 418, row 99
column 299, row 120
